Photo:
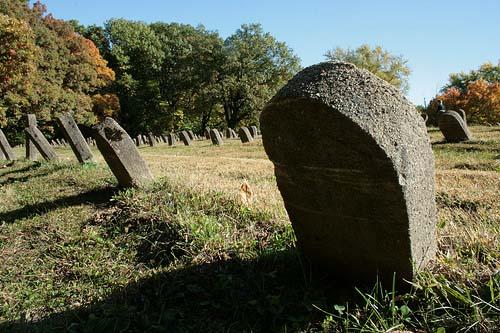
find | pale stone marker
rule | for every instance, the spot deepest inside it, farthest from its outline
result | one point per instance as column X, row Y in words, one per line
column 5, row 148
column 31, row 151
column 216, row 137
column 121, row 154
column 151, row 139
column 171, row 139
column 253, row 131
column 75, row 138
column 207, row 133
column 184, row 135
column 359, row 187
column 233, row 134
column 453, row 127
column 245, row 135
column 41, row 143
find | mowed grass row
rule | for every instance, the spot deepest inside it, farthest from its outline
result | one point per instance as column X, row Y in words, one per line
column 193, row 252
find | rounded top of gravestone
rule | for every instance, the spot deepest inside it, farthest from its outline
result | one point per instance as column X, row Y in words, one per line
column 376, row 106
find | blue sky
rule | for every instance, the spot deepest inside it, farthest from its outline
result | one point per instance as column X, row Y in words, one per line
column 437, row 37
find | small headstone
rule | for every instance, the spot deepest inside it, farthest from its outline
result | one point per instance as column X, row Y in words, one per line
column 207, row 133
column 41, row 143
column 75, row 138
column 171, row 139
column 245, row 135
column 216, row 137
column 151, row 139
column 233, row 134
column 5, row 148
column 138, row 140
column 184, row 135
column 31, row 151
column 191, row 134
column 253, row 131
column 359, row 187
column 453, row 127
column 121, row 154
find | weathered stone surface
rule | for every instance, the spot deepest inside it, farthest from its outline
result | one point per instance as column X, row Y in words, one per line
column 216, row 137
column 245, row 135
column 5, row 148
column 121, row 154
column 359, row 187
column 253, row 131
column 184, row 135
column 453, row 127
column 75, row 138
column 41, row 143
column 31, row 151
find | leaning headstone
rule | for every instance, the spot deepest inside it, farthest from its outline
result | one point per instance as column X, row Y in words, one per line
column 229, row 133
column 191, row 134
column 151, row 139
column 216, row 137
column 41, row 143
column 245, row 135
column 121, row 154
column 453, row 127
column 186, row 139
column 31, row 151
column 233, row 134
column 171, row 139
column 253, row 131
column 138, row 140
column 359, row 187
column 5, row 148
column 75, row 138
column 207, row 133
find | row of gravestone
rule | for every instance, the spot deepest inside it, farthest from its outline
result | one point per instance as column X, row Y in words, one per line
column 353, row 163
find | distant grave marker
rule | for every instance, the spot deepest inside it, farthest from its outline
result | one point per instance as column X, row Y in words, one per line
column 216, row 137
column 186, row 139
column 121, row 154
column 41, row 143
column 151, row 139
column 207, row 133
column 253, row 131
column 5, row 148
column 359, row 187
column 453, row 126
column 245, row 135
column 75, row 138
column 31, row 151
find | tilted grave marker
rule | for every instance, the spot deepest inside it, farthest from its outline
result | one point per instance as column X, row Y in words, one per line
column 5, row 148
column 453, row 127
column 171, row 139
column 216, row 137
column 151, row 139
column 207, row 133
column 75, row 138
column 359, row 187
column 253, row 131
column 41, row 143
column 184, row 135
column 245, row 135
column 31, row 151
column 121, row 154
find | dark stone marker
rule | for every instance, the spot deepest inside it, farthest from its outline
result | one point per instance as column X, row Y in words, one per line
column 359, row 187
column 207, row 133
column 245, row 135
column 138, row 140
column 41, row 143
column 184, row 135
column 171, row 139
column 253, row 131
column 5, row 148
column 75, row 138
column 151, row 139
column 121, row 154
column 216, row 137
column 31, row 151
column 453, row 127
column 191, row 134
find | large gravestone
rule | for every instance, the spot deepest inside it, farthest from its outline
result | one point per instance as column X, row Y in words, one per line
column 121, row 154
column 41, row 143
column 253, row 131
column 216, row 137
column 453, row 127
column 31, row 151
column 75, row 138
column 5, row 148
column 184, row 135
column 355, row 168
column 245, row 135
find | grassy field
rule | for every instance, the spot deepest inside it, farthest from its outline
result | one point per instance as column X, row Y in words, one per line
column 193, row 252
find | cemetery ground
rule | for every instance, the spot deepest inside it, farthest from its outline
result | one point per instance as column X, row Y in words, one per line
column 196, row 252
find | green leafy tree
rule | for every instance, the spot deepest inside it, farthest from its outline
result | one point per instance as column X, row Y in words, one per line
column 256, row 65
column 487, row 72
column 391, row 68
